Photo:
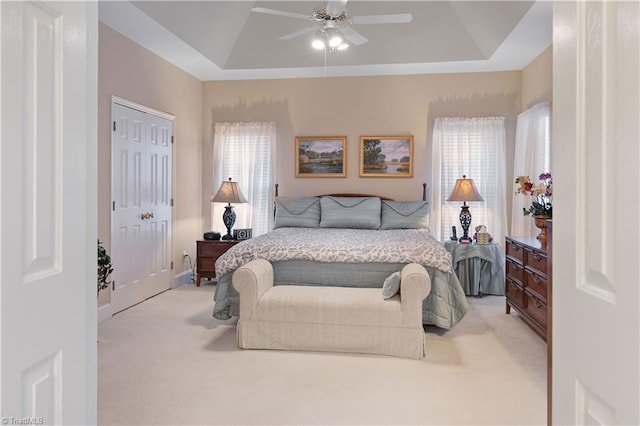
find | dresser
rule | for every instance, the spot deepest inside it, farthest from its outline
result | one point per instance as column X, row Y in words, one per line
column 208, row 251
column 527, row 281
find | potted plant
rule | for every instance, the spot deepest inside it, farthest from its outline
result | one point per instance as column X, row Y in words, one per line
column 542, row 206
column 104, row 268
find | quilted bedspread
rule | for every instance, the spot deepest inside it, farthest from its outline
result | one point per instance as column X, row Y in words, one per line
column 444, row 307
column 339, row 245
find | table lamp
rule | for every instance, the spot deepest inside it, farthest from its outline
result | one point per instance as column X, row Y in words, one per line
column 229, row 192
column 464, row 190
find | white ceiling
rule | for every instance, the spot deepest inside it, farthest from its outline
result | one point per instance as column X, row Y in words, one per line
column 225, row 40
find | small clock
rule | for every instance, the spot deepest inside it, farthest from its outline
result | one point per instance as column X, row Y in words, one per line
column 242, row 234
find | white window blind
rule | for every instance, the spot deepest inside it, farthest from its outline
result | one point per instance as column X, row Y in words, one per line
column 474, row 147
column 245, row 152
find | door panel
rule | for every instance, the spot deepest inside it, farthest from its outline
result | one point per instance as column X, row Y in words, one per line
column 48, row 213
column 596, row 321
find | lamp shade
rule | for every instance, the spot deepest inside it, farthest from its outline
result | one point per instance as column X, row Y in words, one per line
column 464, row 190
column 229, row 192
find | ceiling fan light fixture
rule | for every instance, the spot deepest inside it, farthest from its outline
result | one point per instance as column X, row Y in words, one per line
column 342, row 46
column 318, row 44
column 334, row 37
column 318, row 41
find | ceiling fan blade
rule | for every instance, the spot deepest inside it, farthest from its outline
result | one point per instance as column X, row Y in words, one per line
column 353, row 36
column 395, row 18
column 334, row 7
column 278, row 13
column 296, row 33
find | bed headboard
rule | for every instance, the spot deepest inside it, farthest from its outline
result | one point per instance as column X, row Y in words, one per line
column 424, row 194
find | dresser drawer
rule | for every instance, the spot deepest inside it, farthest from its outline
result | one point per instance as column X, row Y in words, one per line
column 536, row 260
column 515, row 250
column 536, row 307
column 514, row 292
column 515, row 270
column 536, row 282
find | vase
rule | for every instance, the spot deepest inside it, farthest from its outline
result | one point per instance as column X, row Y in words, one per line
column 541, row 224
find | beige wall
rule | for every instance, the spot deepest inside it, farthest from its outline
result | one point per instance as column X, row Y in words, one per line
column 129, row 71
column 537, row 80
column 355, row 106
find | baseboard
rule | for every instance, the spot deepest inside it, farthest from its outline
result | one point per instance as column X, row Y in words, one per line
column 185, row 277
column 104, row 312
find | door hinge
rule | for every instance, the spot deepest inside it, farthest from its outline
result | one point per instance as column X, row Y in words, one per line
column 114, row 126
column 172, row 265
column 113, row 286
column 113, row 206
column 171, row 202
column 171, row 138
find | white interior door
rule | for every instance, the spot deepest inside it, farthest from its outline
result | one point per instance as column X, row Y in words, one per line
column 596, row 134
column 141, row 216
column 48, row 216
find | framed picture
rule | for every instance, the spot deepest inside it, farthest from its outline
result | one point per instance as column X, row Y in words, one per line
column 321, row 156
column 386, row 156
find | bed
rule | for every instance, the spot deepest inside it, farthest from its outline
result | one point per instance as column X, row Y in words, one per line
column 350, row 240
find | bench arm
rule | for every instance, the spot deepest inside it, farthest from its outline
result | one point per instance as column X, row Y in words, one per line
column 252, row 281
column 415, row 285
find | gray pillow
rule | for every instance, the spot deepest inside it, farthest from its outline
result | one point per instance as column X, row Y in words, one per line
column 391, row 285
column 301, row 212
column 350, row 212
column 405, row 215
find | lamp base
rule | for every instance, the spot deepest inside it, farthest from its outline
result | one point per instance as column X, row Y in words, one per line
column 465, row 240
column 229, row 219
column 465, row 221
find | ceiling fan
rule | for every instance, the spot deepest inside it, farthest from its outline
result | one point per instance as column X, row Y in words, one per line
column 331, row 24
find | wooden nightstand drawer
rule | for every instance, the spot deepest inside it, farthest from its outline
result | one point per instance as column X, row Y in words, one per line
column 214, row 249
column 536, row 282
column 515, row 270
column 208, row 253
column 207, row 264
column 536, row 260
column 515, row 250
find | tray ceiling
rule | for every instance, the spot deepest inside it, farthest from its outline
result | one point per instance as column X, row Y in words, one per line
column 215, row 40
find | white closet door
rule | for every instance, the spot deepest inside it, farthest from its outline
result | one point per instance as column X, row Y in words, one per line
column 159, row 225
column 48, row 181
column 141, row 216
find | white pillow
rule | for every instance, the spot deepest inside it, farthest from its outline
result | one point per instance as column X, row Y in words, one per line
column 391, row 285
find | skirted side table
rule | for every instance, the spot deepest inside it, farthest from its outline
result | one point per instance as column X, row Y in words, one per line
column 479, row 267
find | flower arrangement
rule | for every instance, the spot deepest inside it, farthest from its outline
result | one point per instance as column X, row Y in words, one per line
column 543, row 191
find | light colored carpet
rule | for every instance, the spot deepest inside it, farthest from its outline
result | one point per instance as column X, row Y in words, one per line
column 168, row 361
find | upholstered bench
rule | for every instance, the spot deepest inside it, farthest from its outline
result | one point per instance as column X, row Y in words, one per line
column 332, row 319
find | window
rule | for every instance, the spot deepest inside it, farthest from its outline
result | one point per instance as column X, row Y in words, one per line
column 245, row 152
column 474, row 147
column 531, row 158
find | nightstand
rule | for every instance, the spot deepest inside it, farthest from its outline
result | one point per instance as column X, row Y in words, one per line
column 479, row 267
column 208, row 251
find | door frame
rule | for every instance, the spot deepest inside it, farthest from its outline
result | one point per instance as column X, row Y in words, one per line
column 106, row 311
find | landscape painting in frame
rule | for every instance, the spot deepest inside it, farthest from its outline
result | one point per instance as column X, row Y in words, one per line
column 321, row 156
column 386, row 156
